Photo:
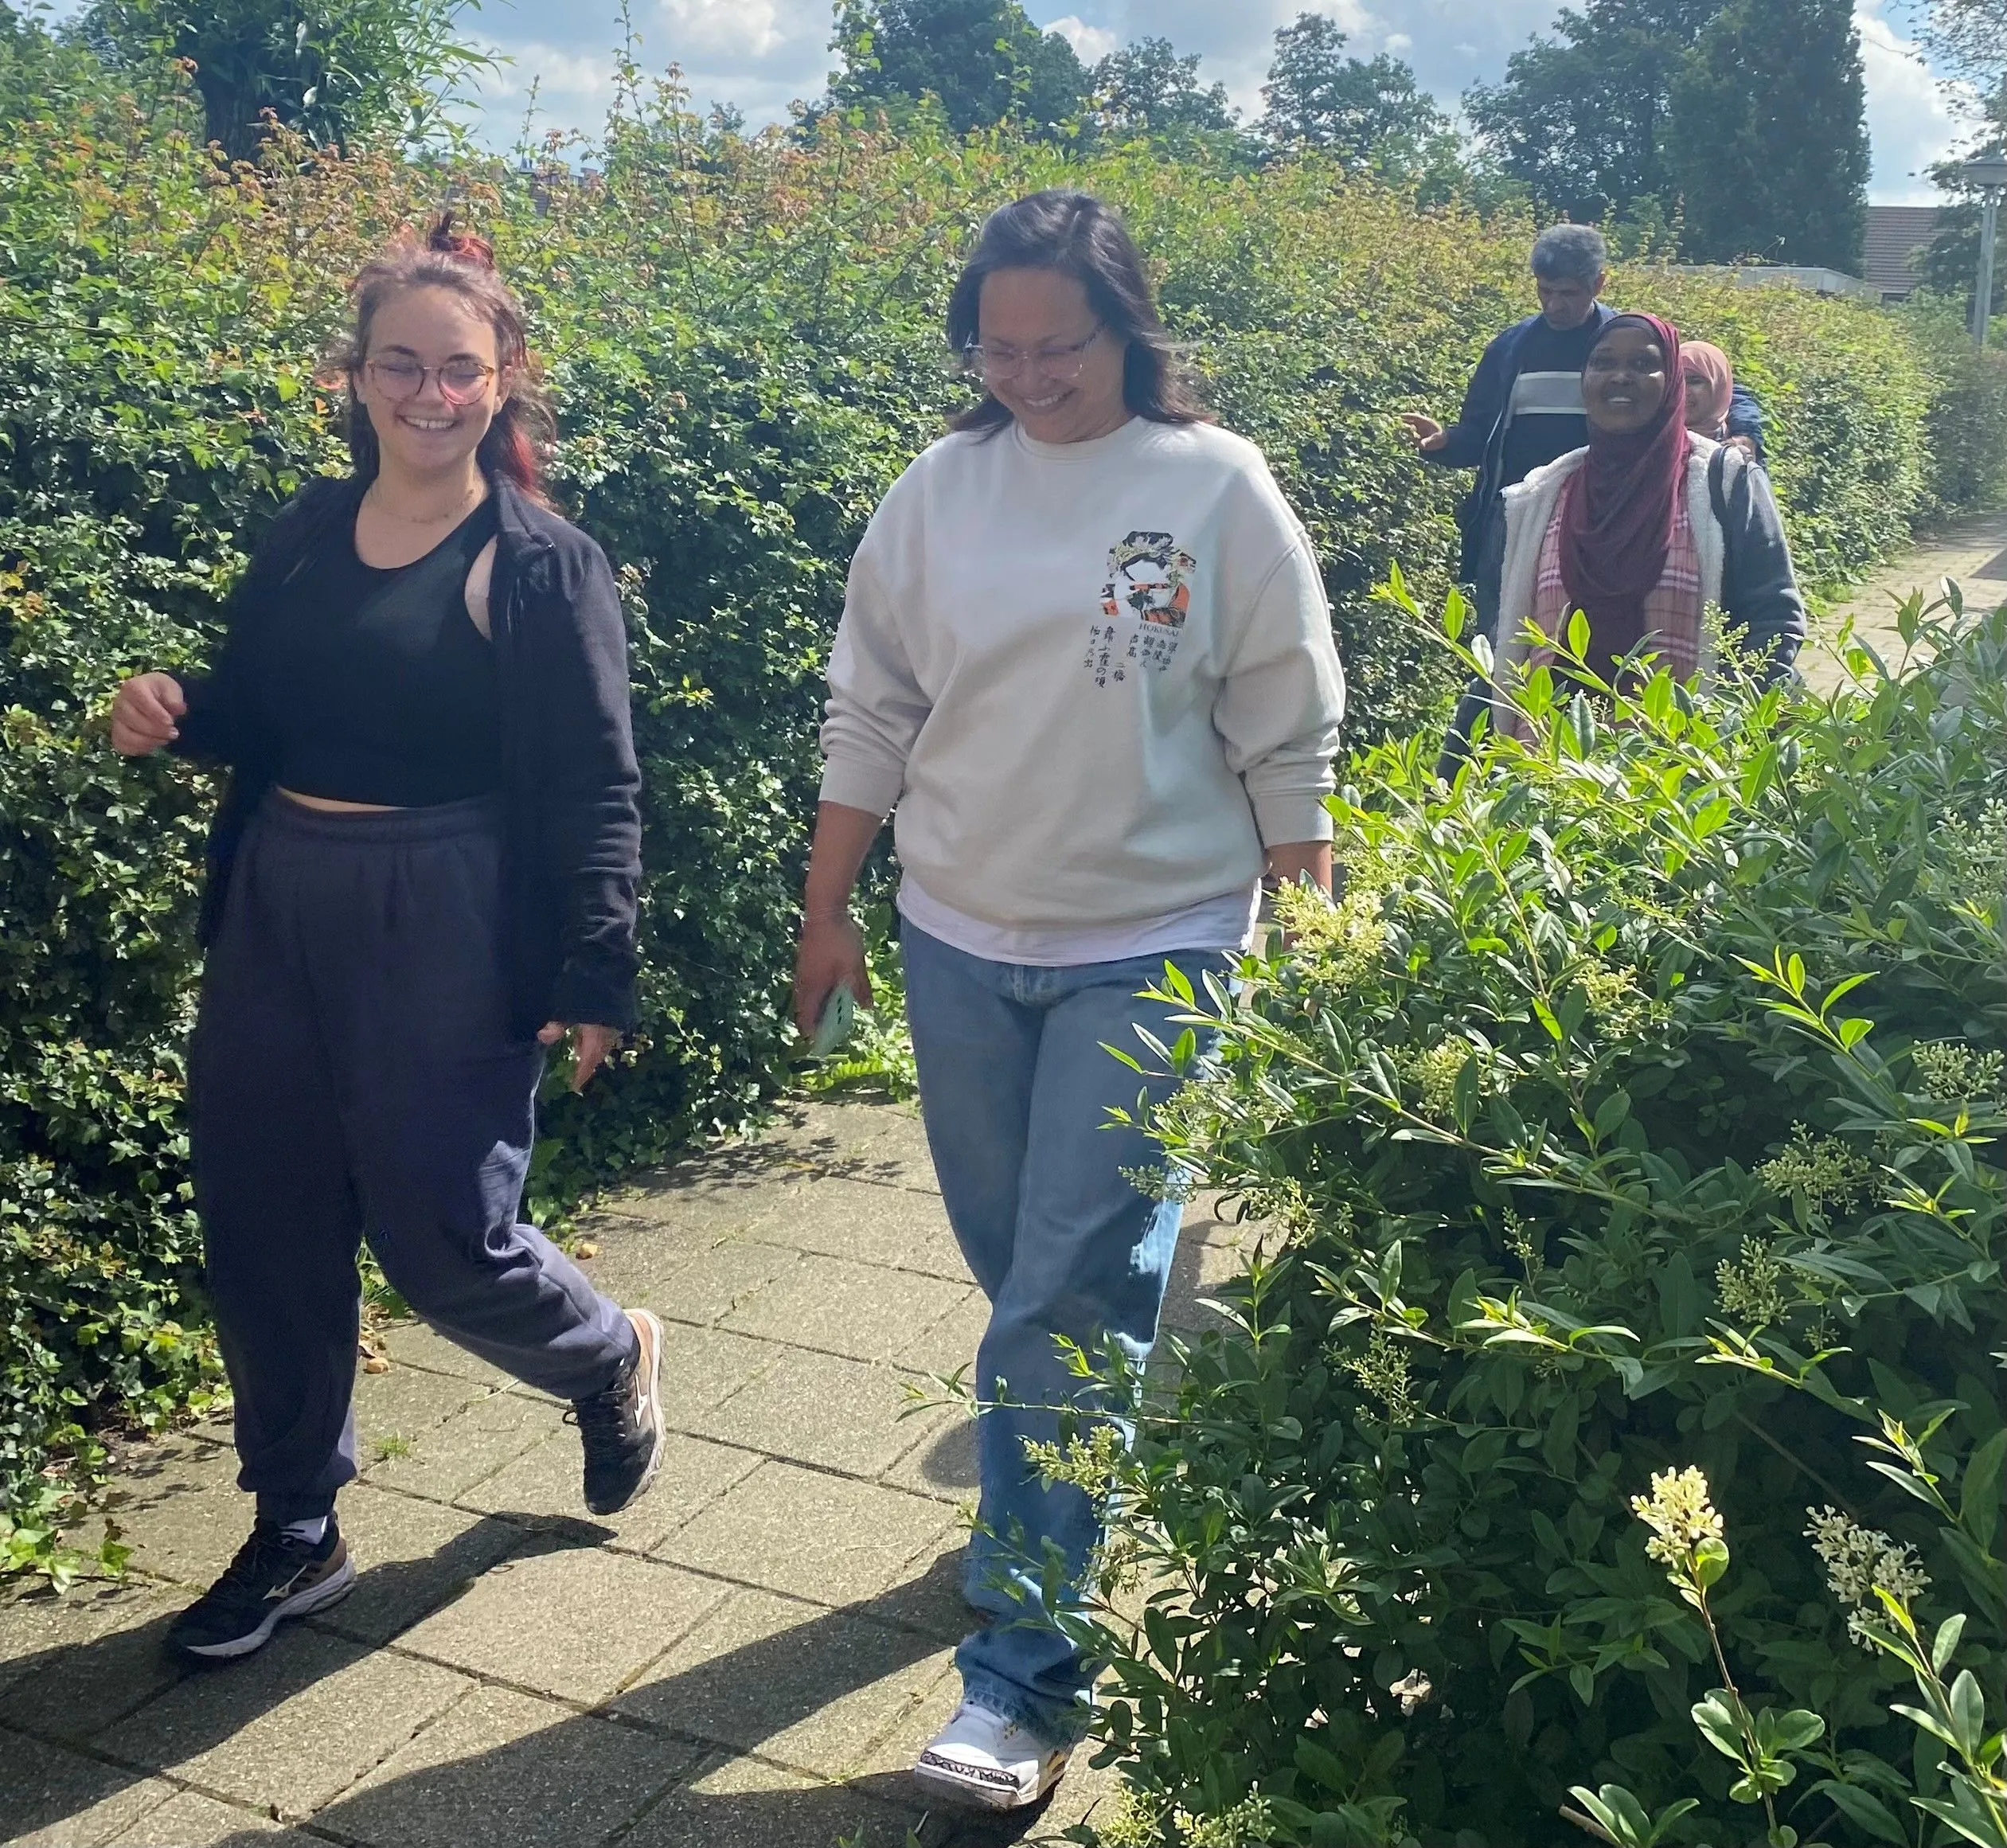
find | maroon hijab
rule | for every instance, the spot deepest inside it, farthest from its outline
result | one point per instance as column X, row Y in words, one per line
column 1618, row 511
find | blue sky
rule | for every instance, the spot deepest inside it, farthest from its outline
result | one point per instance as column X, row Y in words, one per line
column 762, row 53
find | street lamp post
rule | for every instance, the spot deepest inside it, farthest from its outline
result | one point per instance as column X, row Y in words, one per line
column 1989, row 174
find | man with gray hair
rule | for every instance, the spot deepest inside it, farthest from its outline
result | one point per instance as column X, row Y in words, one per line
column 1524, row 405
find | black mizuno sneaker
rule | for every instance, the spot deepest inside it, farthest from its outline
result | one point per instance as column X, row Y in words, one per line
column 622, row 1428
column 273, row 1577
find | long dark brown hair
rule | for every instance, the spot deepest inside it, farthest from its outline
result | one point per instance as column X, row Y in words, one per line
column 1077, row 235
column 445, row 257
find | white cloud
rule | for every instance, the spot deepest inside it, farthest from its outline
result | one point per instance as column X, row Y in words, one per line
column 1091, row 44
column 562, row 78
column 735, row 30
column 1911, row 123
column 1398, row 43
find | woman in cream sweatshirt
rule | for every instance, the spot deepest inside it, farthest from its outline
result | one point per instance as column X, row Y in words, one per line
column 1086, row 656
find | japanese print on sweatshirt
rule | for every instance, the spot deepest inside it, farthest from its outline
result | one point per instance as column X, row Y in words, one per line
column 1096, row 679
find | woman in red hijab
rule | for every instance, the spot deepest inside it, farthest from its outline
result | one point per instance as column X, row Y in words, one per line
column 1643, row 530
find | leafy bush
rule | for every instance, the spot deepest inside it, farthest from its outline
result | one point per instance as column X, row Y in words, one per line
column 1635, row 1111
column 743, row 338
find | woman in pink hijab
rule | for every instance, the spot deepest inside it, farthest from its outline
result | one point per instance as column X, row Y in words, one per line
column 1710, row 384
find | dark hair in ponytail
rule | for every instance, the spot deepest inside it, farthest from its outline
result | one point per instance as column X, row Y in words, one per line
column 1076, row 235
column 446, row 257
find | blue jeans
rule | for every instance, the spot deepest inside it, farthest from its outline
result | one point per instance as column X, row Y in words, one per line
column 1015, row 1085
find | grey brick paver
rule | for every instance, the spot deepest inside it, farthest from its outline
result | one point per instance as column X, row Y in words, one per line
column 44, row 1666
column 51, row 1798
column 410, row 1400
column 868, row 1221
column 942, row 1464
column 522, row 1770
column 412, row 1344
column 816, row 1408
column 290, row 1728
column 701, row 1286
column 187, row 1520
column 728, row 1192
column 1973, row 550
column 411, row 1556
column 819, row 1536
column 576, row 1622
column 810, row 1689
column 704, row 1367
column 743, row 1803
column 100, row 1672
column 189, row 1819
column 841, row 1306
column 453, row 1456
column 949, row 1343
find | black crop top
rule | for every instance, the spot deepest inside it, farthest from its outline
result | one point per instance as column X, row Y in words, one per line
column 376, row 685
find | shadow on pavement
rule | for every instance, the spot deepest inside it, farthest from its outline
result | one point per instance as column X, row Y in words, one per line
column 670, row 1749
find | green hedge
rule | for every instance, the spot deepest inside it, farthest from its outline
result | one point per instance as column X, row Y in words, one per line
column 743, row 339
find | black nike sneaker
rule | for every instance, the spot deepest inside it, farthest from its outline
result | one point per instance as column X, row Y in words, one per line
column 273, row 1577
column 622, row 1428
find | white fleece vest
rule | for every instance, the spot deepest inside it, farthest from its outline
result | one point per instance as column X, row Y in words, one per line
column 1530, row 508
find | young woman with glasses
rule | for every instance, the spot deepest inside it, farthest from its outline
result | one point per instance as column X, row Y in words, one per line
column 421, row 878
column 1087, row 653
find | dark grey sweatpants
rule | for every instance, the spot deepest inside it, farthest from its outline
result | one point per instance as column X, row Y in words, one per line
column 353, row 1076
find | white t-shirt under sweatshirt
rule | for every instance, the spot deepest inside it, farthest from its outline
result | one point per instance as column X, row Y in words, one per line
column 1096, row 679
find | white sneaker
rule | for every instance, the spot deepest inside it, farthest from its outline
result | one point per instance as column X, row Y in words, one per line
column 981, row 1758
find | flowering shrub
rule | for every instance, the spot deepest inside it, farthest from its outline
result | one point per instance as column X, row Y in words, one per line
column 1627, row 1139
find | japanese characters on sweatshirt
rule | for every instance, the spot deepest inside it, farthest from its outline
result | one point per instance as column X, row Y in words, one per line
column 1096, row 679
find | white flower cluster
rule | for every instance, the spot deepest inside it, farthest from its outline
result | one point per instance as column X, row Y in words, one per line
column 1343, row 939
column 1383, row 1370
column 1950, row 1071
column 1524, row 1244
column 1620, row 1006
column 1751, row 1286
column 1681, row 1515
column 1973, row 855
column 1857, row 1560
column 1434, row 1074
column 1822, row 1168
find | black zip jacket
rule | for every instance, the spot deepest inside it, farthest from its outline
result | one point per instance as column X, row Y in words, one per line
column 570, row 786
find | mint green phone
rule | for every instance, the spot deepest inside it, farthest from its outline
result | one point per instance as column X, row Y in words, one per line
column 839, row 1021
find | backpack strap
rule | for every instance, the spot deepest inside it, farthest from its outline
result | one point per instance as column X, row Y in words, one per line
column 1717, row 485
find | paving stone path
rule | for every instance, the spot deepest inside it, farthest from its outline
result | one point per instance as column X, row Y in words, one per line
column 750, row 1658
column 1973, row 551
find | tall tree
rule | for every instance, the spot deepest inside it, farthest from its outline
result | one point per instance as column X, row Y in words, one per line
column 1147, row 88
column 982, row 61
column 1769, row 136
column 1581, row 119
column 1365, row 111
column 337, row 70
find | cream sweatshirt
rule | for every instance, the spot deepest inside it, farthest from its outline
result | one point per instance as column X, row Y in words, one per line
column 1094, row 678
